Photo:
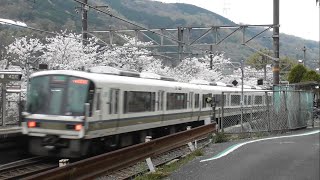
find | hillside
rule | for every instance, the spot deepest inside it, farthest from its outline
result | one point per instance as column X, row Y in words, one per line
column 57, row 15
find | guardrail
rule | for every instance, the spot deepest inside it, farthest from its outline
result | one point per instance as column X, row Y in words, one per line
column 102, row 164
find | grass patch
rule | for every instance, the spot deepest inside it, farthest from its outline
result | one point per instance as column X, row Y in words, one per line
column 221, row 137
column 166, row 170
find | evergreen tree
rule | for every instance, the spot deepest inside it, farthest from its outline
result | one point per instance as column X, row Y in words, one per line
column 296, row 73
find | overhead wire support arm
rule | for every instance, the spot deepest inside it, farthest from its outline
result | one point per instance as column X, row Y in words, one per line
column 204, row 34
column 258, row 34
column 229, row 35
column 129, row 22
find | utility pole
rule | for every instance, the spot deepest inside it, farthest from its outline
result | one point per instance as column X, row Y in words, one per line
column 276, row 67
column 242, row 100
column 304, row 49
column 211, row 57
column 180, row 44
column 85, row 9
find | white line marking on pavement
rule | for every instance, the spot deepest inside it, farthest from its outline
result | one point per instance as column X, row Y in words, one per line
column 236, row 146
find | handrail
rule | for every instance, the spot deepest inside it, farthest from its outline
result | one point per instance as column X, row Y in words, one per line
column 102, row 164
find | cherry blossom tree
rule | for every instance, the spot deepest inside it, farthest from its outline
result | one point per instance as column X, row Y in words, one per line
column 66, row 51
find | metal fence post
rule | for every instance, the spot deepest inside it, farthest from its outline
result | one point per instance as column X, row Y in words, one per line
column 192, row 148
column 148, row 160
column 4, row 101
column 219, row 118
column 300, row 110
column 268, row 110
column 222, row 111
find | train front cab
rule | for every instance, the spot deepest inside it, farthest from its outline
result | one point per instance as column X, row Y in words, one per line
column 54, row 118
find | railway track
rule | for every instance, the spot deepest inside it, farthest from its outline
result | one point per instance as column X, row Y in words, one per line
column 142, row 167
column 25, row 167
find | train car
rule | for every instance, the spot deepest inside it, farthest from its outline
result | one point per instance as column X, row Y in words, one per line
column 75, row 113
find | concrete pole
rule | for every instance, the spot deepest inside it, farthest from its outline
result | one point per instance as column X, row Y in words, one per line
column 211, row 57
column 242, row 74
column 304, row 49
column 276, row 67
column 84, row 22
column 180, row 44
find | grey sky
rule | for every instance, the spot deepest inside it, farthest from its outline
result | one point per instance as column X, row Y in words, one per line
column 297, row 17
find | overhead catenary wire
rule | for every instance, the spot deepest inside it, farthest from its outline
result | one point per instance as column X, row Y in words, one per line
column 47, row 32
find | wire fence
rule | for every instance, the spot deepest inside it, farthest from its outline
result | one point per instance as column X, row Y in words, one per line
column 265, row 111
column 10, row 116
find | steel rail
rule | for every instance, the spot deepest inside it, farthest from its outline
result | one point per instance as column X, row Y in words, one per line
column 25, row 167
column 100, row 165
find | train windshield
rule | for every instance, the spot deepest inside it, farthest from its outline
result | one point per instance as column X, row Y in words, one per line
column 59, row 95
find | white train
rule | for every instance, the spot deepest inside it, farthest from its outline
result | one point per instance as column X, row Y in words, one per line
column 74, row 113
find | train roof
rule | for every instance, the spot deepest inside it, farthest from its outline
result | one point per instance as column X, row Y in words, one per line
column 100, row 79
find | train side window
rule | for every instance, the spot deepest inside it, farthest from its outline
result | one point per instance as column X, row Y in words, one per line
column 258, row 100
column 235, row 100
column 114, row 99
column 176, row 101
column 204, row 96
column 138, row 101
column 196, row 101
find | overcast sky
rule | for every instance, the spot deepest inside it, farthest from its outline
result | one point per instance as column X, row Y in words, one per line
column 297, row 17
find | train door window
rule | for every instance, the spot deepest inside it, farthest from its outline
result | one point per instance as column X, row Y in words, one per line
column 204, row 96
column 235, row 100
column 191, row 96
column 137, row 101
column 160, row 100
column 56, row 100
column 245, row 99
column 114, row 99
column 249, row 100
column 196, row 101
column 227, row 99
column 270, row 100
column 98, row 98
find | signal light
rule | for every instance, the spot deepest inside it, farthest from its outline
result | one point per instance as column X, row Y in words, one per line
column 78, row 127
column 32, row 124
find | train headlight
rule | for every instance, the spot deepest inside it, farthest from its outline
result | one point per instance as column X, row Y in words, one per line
column 32, row 124
column 78, row 127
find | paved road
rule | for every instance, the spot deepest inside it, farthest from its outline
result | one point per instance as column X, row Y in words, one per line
column 293, row 158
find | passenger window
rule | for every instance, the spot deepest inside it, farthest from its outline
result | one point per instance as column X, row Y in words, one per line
column 176, row 101
column 137, row 101
column 235, row 100
column 204, row 96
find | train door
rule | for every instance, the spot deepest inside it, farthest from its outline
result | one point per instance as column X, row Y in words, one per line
column 97, row 105
column 114, row 112
column 191, row 103
column 161, row 104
